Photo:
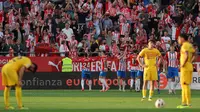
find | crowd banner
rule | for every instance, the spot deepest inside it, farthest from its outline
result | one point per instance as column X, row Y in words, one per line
column 53, row 64
column 72, row 81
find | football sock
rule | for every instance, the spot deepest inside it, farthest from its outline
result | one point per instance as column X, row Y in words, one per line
column 100, row 79
column 132, row 82
column 104, row 82
column 18, row 94
column 183, row 95
column 144, row 93
column 138, row 84
column 170, row 84
column 6, row 96
column 82, row 83
column 124, row 85
column 188, row 94
column 176, row 82
column 150, row 93
column 103, row 87
column 90, row 84
column 173, row 84
column 158, row 82
column 119, row 83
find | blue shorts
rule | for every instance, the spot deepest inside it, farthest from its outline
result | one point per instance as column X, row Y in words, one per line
column 172, row 72
column 86, row 75
column 121, row 74
column 102, row 74
column 140, row 73
column 133, row 74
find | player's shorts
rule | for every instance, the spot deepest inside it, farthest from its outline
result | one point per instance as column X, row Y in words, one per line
column 9, row 76
column 186, row 77
column 121, row 74
column 86, row 75
column 102, row 74
column 140, row 73
column 151, row 74
column 172, row 72
column 133, row 74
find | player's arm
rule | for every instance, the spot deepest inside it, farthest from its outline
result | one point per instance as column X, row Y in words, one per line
column 194, row 55
column 20, row 74
column 141, row 55
column 159, row 56
column 185, row 59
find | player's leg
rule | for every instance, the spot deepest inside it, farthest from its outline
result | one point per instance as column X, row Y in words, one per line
column 169, row 78
column 176, row 80
column 153, row 78
column 123, row 80
column 89, row 81
column 146, row 78
column 158, row 82
column 9, row 79
column 187, row 88
column 6, row 89
column 132, row 75
column 103, row 75
column 139, row 76
column 186, row 79
column 101, row 80
column 119, row 80
column 151, row 91
column 144, row 89
column 83, row 77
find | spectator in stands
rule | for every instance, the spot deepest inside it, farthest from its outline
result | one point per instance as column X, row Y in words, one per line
column 63, row 49
column 68, row 32
column 166, row 40
column 94, row 47
column 107, row 22
column 92, row 21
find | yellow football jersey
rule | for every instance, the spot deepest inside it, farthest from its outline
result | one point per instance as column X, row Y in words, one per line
column 17, row 62
column 187, row 47
column 150, row 56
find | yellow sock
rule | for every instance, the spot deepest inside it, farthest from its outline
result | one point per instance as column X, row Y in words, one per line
column 188, row 95
column 183, row 95
column 18, row 93
column 150, row 93
column 144, row 93
column 6, row 96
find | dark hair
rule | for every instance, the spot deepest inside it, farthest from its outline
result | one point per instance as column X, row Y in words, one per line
column 151, row 40
column 35, row 67
column 184, row 36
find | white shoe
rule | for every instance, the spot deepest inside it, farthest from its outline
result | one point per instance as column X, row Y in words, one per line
column 120, row 89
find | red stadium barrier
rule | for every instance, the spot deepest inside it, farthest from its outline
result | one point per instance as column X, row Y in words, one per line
column 50, row 64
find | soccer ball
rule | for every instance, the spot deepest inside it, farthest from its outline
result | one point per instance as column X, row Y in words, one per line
column 160, row 103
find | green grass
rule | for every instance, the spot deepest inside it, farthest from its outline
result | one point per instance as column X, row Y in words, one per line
column 94, row 101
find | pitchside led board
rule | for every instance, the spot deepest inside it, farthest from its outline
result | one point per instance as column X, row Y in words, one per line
column 73, row 81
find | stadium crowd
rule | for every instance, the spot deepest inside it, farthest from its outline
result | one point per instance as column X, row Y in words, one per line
column 85, row 27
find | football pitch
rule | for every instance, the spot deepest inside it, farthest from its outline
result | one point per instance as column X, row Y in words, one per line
column 95, row 101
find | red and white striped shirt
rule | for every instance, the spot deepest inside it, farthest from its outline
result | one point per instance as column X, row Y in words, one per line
column 126, row 12
column 103, row 63
column 124, row 28
column 122, row 64
column 172, row 59
column 134, row 63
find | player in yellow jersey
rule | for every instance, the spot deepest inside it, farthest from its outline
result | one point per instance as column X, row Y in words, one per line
column 12, row 74
column 186, row 67
column 150, row 66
